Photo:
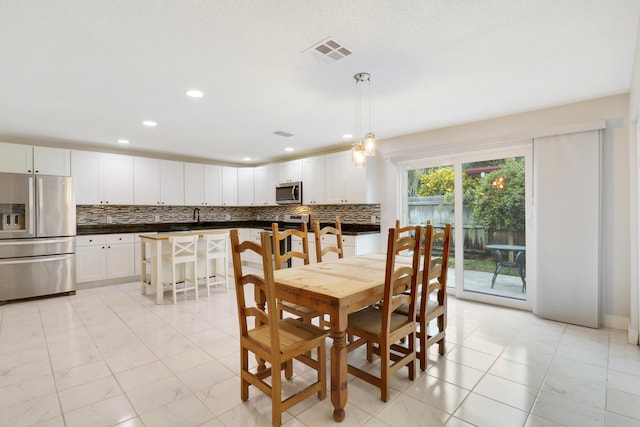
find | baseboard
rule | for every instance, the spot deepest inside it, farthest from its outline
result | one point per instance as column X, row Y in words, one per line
column 616, row 322
column 633, row 336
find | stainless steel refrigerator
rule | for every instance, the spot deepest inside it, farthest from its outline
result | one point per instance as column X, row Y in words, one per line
column 37, row 236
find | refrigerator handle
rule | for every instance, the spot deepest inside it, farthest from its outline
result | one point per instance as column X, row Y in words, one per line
column 40, row 209
column 31, row 213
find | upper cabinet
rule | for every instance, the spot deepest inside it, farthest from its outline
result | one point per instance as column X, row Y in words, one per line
column 158, row 182
column 313, row 180
column 102, row 178
column 245, row 186
column 193, row 184
column 172, row 182
column 202, row 185
column 213, row 185
column 290, row 171
column 18, row 158
column 265, row 179
column 345, row 183
column 52, row 161
column 229, row 186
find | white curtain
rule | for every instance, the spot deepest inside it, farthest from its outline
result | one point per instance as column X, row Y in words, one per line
column 567, row 219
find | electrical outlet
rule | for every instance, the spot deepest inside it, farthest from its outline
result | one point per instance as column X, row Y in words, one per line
column 373, row 219
column 337, row 218
column 156, row 218
column 227, row 217
column 109, row 219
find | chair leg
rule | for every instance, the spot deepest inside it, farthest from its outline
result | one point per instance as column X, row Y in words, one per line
column 174, row 285
column 384, row 372
column 276, row 397
column 244, row 367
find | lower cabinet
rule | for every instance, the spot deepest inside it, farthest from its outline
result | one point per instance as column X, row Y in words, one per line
column 104, row 256
column 351, row 246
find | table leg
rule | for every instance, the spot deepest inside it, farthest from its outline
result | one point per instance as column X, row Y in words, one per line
column 156, row 272
column 339, row 364
column 143, row 266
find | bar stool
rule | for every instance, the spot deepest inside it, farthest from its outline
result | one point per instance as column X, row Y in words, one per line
column 184, row 250
column 216, row 251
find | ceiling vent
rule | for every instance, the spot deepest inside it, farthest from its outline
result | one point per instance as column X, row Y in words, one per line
column 329, row 50
column 283, row 133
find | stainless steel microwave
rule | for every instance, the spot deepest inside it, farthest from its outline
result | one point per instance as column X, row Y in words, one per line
column 289, row 193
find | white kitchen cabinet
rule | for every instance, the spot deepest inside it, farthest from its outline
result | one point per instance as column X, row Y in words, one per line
column 19, row 158
column 16, row 158
column 193, row 184
column 250, row 256
column 102, row 178
column 245, row 186
column 344, row 182
column 52, row 161
column 146, row 181
column 290, row 171
column 313, row 180
column 212, row 185
column 229, row 186
column 172, row 183
column 104, row 256
column 91, row 260
column 158, row 182
column 202, row 185
column 265, row 179
column 296, row 245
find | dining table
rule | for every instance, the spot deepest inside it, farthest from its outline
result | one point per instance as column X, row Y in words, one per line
column 154, row 259
column 336, row 288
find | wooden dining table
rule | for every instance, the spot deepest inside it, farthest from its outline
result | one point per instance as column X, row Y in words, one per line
column 336, row 288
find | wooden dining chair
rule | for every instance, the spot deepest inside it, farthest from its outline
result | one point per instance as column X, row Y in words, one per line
column 381, row 327
column 327, row 233
column 272, row 340
column 432, row 302
column 184, row 251
column 281, row 258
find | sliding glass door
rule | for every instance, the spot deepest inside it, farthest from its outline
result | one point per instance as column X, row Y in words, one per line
column 486, row 197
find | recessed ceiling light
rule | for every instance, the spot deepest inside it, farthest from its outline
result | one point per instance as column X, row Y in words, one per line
column 194, row 93
column 347, row 136
column 246, row 159
column 288, row 149
column 150, row 123
column 123, row 141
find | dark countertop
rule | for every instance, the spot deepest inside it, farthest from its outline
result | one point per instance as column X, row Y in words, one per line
column 159, row 227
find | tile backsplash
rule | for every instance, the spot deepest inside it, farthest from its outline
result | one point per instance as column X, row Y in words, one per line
column 121, row 214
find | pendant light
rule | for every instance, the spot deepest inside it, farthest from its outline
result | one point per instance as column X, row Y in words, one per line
column 366, row 146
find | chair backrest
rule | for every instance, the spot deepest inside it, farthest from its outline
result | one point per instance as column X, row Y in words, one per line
column 264, row 287
column 278, row 236
column 184, row 248
column 400, row 277
column 403, row 230
column 328, row 230
column 436, row 240
column 216, row 244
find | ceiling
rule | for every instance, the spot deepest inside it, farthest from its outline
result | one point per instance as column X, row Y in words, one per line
column 89, row 72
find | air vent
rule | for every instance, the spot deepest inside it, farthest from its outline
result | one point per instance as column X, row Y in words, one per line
column 283, row 133
column 329, row 50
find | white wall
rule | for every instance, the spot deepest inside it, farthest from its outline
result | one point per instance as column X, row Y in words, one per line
column 615, row 181
column 634, row 180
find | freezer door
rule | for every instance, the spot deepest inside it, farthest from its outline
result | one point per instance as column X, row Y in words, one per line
column 37, row 276
column 56, row 207
column 20, row 248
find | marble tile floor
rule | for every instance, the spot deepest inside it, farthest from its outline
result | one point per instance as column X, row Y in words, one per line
column 110, row 357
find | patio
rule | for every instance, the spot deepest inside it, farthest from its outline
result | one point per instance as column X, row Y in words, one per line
column 479, row 281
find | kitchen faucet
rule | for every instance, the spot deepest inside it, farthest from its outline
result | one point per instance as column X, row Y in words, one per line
column 196, row 214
